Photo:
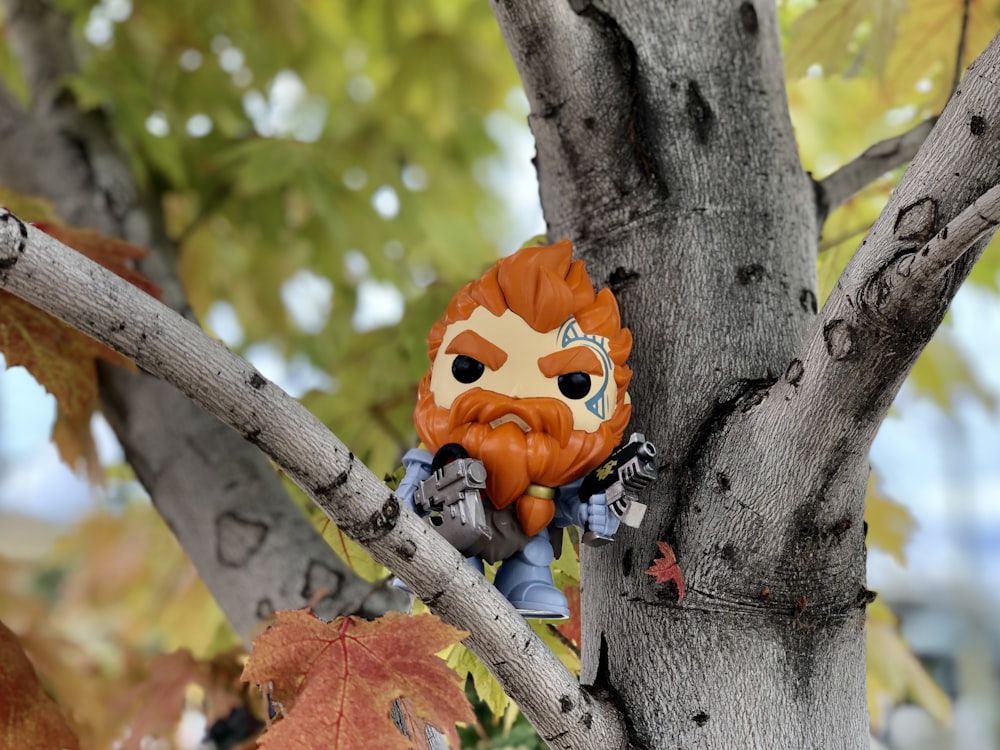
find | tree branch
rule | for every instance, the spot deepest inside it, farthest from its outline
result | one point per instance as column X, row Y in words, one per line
column 207, row 483
column 837, row 188
column 64, row 283
column 896, row 289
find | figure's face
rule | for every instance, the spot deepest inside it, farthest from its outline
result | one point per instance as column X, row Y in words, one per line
column 534, row 407
column 505, row 356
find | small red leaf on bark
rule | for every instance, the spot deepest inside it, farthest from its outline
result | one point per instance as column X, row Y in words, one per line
column 336, row 682
column 666, row 570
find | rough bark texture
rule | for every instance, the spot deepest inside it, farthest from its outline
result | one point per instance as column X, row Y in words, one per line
column 665, row 153
column 253, row 548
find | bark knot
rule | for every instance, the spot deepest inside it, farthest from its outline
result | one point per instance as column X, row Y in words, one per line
column 807, row 301
column 622, row 278
column 840, row 337
column 750, row 274
column 699, row 113
column 322, row 582
column 916, row 221
column 748, row 18
column 9, row 256
column 795, row 371
column 238, row 539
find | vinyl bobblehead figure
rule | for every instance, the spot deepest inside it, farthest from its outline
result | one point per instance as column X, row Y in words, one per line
column 527, row 375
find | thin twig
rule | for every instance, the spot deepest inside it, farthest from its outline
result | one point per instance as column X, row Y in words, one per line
column 961, row 233
column 837, row 188
column 962, row 37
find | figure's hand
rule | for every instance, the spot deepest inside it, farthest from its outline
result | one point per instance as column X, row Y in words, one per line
column 417, row 463
column 596, row 516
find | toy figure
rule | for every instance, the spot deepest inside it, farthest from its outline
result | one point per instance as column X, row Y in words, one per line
column 525, row 395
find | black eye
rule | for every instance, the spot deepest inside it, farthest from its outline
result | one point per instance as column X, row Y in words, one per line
column 574, row 385
column 466, row 369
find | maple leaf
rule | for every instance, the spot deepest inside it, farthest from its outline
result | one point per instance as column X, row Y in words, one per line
column 60, row 358
column 666, row 570
column 29, row 719
column 336, row 682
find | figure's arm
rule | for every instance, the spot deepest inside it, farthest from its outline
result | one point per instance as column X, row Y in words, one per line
column 417, row 462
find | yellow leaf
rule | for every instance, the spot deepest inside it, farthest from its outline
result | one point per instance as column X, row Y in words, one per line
column 352, row 554
column 823, row 36
column 488, row 689
column 943, row 373
column 890, row 525
column 557, row 644
column 895, row 675
column 928, row 41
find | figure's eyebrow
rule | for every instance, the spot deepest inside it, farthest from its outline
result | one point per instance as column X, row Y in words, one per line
column 575, row 359
column 471, row 344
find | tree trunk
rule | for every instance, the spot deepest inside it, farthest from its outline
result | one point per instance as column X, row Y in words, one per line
column 666, row 153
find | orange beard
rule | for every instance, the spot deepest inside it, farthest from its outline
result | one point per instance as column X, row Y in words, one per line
column 551, row 454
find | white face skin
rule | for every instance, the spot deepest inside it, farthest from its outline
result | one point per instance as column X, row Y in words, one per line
column 519, row 375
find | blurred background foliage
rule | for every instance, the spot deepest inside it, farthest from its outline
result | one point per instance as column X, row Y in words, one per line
column 331, row 173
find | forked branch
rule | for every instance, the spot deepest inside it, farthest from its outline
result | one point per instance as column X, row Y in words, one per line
column 840, row 186
column 896, row 289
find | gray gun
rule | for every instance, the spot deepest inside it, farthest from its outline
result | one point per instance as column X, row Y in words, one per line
column 630, row 468
column 451, row 497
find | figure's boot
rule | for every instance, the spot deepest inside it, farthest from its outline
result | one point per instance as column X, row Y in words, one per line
column 526, row 580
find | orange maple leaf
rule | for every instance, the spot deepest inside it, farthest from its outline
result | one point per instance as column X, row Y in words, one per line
column 60, row 358
column 29, row 718
column 335, row 682
column 666, row 570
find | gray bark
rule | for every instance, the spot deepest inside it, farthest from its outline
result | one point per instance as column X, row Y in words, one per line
column 253, row 548
column 665, row 153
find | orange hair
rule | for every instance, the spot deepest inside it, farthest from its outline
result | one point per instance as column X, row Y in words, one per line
column 545, row 288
